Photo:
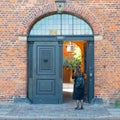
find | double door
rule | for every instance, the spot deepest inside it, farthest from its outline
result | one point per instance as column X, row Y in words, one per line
column 45, row 71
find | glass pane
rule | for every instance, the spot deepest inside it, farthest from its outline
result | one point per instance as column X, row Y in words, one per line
column 61, row 24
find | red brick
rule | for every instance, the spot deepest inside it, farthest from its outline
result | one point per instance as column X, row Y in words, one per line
column 17, row 17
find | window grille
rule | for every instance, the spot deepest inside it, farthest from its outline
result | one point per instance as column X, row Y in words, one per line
column 61, row 24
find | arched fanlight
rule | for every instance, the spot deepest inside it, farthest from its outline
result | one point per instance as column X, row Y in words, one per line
column 61, row 24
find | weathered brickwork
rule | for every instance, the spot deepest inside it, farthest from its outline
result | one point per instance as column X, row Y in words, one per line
column 17, row 18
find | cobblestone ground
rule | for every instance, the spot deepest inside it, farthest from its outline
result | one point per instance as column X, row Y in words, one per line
column 23, row 110
column 65, row 111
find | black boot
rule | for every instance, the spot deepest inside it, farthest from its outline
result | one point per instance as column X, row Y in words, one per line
column 76, row 108
column 77, row 103
column 81, row 108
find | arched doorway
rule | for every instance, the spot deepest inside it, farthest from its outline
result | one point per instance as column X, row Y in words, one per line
column 45, row 56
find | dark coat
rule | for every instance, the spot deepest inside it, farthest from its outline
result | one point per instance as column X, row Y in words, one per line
column 78, row 93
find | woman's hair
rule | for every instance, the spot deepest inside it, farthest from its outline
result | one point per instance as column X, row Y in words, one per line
column 78, row 70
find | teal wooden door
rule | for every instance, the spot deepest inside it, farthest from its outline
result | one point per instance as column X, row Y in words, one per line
column 89, row 69
column 46, row 82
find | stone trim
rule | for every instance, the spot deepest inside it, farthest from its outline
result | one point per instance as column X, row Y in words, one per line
column 22, row 38
column 98, row 37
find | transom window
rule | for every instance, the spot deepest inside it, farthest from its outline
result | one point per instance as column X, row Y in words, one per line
column 61, row 24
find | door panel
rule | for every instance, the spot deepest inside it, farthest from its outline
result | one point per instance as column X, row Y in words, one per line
column 45, row 72
column 86, row 71
column 90, row 70
column 45, row 59
column 45, row 87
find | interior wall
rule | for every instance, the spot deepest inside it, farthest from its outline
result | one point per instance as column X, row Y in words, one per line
column 67, row 72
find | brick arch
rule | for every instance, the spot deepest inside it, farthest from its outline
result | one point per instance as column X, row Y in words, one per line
column 84, row 13
column 36, row 14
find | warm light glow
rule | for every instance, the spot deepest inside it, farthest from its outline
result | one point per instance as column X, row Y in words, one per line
column 77, row 52
column 70, row 47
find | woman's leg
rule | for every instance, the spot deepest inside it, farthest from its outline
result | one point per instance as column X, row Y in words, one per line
column 81, row 104
column 77, row 104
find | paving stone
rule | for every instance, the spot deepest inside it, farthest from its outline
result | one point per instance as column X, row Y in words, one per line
column 65, row 111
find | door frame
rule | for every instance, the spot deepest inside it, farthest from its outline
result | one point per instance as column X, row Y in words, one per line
column 89, row 58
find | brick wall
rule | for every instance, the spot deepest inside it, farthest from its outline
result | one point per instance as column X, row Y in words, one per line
column 16, row 19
